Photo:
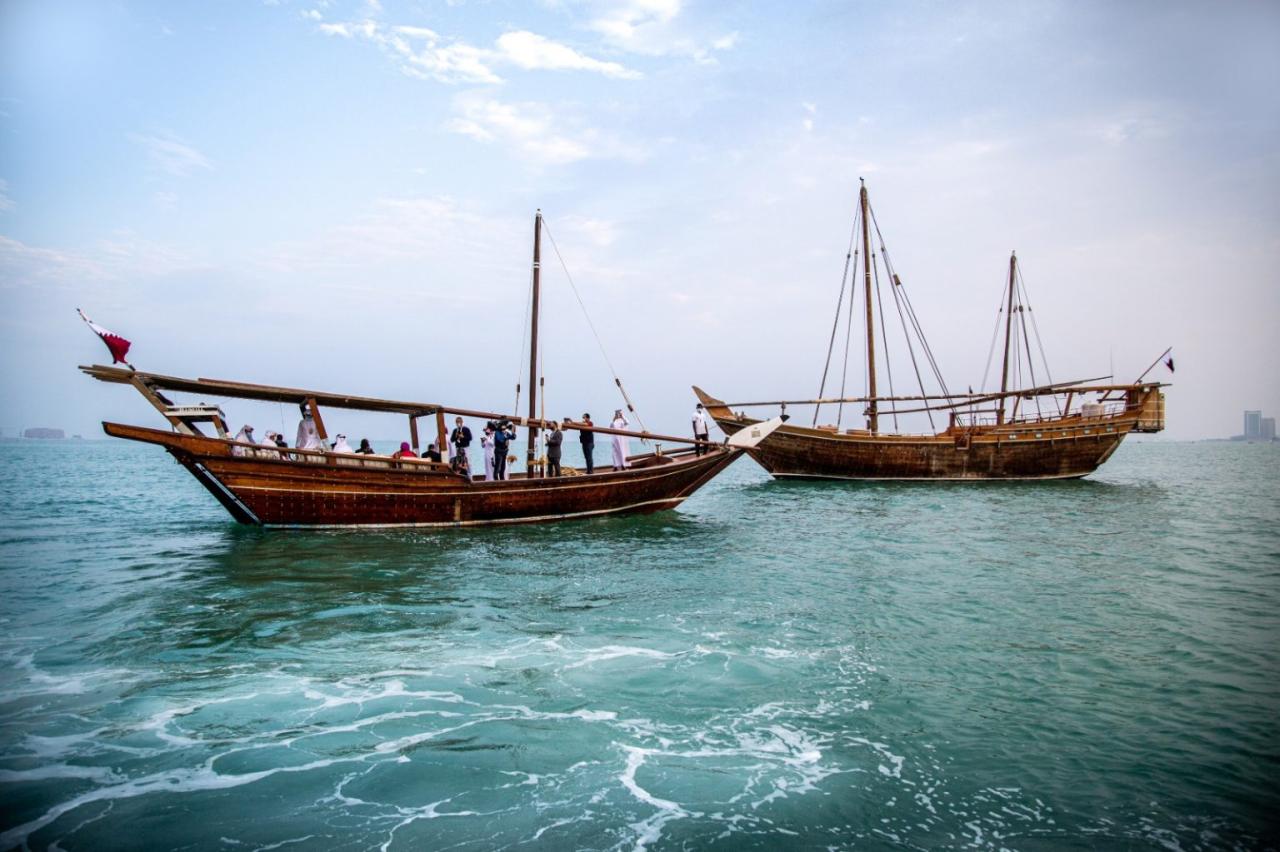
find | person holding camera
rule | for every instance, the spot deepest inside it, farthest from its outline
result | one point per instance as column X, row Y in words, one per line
column 502, row 438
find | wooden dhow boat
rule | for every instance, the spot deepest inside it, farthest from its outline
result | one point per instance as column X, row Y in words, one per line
column 1047, row 430
column 294, row 487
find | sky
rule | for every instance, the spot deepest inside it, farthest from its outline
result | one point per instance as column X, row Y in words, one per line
column 340, row 194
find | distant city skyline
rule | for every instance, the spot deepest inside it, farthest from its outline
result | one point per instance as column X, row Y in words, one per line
column 340, row 194
column 1257, row 427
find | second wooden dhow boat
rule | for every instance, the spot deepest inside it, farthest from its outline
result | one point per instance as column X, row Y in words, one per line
column 318, row 488
column 1046, row 430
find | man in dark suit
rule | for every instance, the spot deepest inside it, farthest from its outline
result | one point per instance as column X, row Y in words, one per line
column 460, row 438
column 588, row 439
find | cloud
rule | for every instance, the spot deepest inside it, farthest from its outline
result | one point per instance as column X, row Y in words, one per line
column 536, row 131
column 171, row 155
column 124, row 256
column 6, row 203
column 404, row 235
column 23, row 266
column 424, row 53
column 532, row 51
column 648, row 27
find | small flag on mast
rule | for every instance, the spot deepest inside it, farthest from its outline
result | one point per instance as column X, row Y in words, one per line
column 1169, row 363
column 118, row 345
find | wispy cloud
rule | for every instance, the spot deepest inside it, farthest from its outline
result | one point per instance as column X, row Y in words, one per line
column 23, row 266
column 123, row 256
column 532, row 51
column 649, row 27
column 424, row 53
column 537, row 131
column 6, row 203
column 171, row 155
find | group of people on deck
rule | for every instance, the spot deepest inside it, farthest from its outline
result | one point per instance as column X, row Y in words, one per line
column 495, row 440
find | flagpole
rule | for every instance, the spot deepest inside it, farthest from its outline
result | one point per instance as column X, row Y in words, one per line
column 1153, row 365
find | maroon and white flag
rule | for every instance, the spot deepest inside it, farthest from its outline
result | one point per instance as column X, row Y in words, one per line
column 118, row 345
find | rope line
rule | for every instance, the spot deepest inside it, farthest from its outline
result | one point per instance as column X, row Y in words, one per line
column 835, row 324
column 617, row 381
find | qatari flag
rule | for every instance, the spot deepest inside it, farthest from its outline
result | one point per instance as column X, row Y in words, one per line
column 118, row 345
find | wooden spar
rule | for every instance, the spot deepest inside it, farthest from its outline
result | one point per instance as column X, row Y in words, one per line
column 1040, row 389
column 413, row 433
column 442, row 434
column 872, row 418
column 241, row 390
column 533, row 345
column 1008, row 328
column 1153, row 364
column 270, row 393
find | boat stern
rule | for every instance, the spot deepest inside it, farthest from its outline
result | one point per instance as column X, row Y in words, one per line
column 1147, row 402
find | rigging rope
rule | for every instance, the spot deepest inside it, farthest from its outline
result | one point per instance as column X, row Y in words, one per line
column 848, row 332
column 995, row 333
column 835, row 324
column 524, row 338
column 884, row 336
column 617, row 381
column 1026, row 341
column 1039, row 341
column 911, row 311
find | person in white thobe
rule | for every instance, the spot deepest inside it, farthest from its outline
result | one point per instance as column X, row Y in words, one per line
column 341, row 445
column 245, row 435
column 269, row 441
column 486, row 441
column 308, row 436
column 619, row 442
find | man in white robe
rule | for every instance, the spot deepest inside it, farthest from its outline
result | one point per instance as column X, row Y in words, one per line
column 269, row 443
column 244, row 436
column 341, row 445
column 619, row 442
column 486, row 441
column 308, row 436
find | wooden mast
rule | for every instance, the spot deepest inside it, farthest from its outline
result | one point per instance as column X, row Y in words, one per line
column 872, row 419
column 1008, row 330
column 533, row 347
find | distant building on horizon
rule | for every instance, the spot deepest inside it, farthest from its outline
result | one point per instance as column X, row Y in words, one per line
column 1257, row 428
column 1252, row 425
column 44, row 432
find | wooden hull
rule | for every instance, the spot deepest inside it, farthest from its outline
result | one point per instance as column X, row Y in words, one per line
column 1064, row 448
column 342, row 491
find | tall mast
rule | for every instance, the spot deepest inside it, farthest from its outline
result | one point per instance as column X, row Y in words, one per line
column 872, row 419
column 533, row 346
column 1008, row 333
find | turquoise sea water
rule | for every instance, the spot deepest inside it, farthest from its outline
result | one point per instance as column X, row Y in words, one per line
column 1080, row 665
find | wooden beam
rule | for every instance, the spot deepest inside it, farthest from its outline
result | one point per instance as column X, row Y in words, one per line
column 413, row 432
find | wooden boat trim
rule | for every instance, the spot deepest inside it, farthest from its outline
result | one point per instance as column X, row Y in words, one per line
column 667, row 503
